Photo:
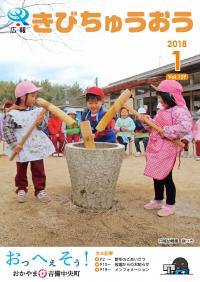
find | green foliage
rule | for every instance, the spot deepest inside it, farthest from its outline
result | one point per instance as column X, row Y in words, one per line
column 54, row 93
column 6, row 91
column 74, row 93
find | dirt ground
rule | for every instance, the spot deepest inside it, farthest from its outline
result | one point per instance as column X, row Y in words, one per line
column 60, row 223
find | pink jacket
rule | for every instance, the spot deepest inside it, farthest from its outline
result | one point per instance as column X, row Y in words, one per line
column 161, row 152
column 196, row 130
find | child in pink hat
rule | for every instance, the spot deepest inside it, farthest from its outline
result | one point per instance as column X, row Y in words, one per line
column 16, row 124
column 176, row 122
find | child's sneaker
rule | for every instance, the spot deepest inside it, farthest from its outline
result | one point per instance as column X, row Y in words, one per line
column 185, row 154
column 43, row 197
column 60, row 154
column 166, row 210
column 154, row 204
column 138, row 154
column 21, row 196
column 55, row 155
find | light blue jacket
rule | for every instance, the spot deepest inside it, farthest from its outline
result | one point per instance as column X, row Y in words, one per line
column 125, row 122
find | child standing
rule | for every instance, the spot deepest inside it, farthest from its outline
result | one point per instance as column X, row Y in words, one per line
column 141, row 134
column 72, row 132
column 6, row 107
column 1, row 126
column 196, row 135
column 176, row 121
column 95, row 112
column 16, row 124
column 1, row 133
column 125, row 127
column 55, row 128
column 187, row 139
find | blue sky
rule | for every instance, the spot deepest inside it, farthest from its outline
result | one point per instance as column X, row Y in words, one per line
column 110, row 57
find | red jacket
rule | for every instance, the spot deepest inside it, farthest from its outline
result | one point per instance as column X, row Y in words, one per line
column 55, row 125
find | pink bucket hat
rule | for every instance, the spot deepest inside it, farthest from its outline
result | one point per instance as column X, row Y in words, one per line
column 25, row 87
column 174, row 88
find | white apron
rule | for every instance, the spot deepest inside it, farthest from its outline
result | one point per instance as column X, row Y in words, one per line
column 38, row 145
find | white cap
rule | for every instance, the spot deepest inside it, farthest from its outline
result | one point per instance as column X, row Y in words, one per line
column 71, row 112
column 142, row 110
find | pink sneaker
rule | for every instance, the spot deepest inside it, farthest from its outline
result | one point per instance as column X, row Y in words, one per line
column 154, row 204
column 166, row 210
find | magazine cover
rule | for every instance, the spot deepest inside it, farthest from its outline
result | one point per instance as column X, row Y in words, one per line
column 99, row 140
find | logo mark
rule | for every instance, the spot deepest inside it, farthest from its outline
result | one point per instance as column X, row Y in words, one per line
column 178, row 266
column 42, row 273
column 19, row 15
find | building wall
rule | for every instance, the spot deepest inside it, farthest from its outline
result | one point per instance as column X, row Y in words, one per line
column 143, row 96
column 191, row 93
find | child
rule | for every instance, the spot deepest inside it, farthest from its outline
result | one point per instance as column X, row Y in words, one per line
column 72, row 132
column 16, row 124
column 1, row 126
column 125, row 127
column 196, row 135
column 141, row 134
column 55, row 128
column 176, row 121
column 186, row 140
column 95, row 112
column 6, row 108
column 1, row 134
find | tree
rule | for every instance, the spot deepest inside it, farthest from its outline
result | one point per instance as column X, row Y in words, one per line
column 74, row 95
column 7, row 90
column 54, row 93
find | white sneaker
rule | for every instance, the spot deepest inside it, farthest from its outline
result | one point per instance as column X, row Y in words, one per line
column 21, row 196
column 138, row 154
column 55, row 155
column 197, row 158
column 185, row 154
column 60, row 154
column 43, row 197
